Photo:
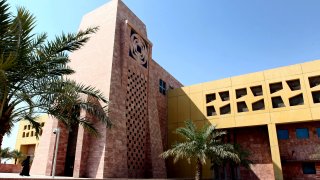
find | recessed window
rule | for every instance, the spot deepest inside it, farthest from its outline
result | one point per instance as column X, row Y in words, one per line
column 211, row 111
column 256, row 90
column 275, row 87
column 302, row 133
column 225, row 109
column 296, row 100
column 309, row 168
column 31, row 134
column 259, row 105
column 277, row 102
column 316, row 96
column 318, row 131
column 162, row 87
column 283, row 134
column 241, row 92
column 224, row 95
column 23, row 134
column 210, row 97
column 42, row 124
column 314, row 81
column 25, row 127
column 27, row 135
column 28, row 127
column 242, row 107
column 294, row 84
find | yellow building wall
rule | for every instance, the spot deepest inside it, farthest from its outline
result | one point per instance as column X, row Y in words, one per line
column 26, row 139
column 190, row 102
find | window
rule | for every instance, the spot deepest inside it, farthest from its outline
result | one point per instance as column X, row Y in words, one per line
column 31, row 133
column 162, row 87
column 309, row 168
column 283, row 134
column 302, row 133
column 28, row 127
column 27, row 135
column 210, row 97
column 25, row 127
column 23, row 134
column 318, row 131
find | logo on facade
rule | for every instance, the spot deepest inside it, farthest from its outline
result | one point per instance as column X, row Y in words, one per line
column 139, row 49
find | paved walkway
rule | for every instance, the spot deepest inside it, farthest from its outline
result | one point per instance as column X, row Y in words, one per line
column 16, row 176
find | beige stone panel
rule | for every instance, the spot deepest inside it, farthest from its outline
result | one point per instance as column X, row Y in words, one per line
column 172, row 136
column 195, row 88
column 221, row 123
column 275, row 153
column 196, row 104
column 247, row 79
column 315, row 111
column 217, row 84
column 310, row 66
column 297, row 115
column 183, row 108
column 172, row 110
column 252, row 119
column 283, row 72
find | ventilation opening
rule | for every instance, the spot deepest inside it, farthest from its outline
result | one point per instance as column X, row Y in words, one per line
column 294, row 84
column 224, row 95
column 210, row 97
column 256, row 90
column 314, row 81
column 316, row 96
column 242, row 107
column 225, row 109
column 277, row 102
column 296, row 100
column 241, row 92
column 211, row 111
column 259, row 105
column 275, row 87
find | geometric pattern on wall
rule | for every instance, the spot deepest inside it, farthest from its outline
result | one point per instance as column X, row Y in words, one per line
column 139, row 49
column 136, row 124
column 286, row 93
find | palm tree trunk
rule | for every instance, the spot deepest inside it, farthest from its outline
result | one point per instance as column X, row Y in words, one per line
column 198, row 170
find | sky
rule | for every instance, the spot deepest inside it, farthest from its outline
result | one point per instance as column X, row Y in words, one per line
column 204, row 40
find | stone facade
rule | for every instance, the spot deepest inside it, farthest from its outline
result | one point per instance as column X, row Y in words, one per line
column 118, row 61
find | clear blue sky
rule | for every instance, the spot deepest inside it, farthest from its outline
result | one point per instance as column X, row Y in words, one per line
column 200, row 41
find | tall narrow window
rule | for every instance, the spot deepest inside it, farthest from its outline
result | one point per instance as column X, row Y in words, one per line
column 162, row 87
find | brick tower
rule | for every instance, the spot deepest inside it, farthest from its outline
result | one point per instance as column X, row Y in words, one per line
column 118, row 61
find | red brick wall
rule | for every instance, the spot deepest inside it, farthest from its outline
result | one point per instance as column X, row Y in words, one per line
column 294, row 151
column 10, row 168
column 256, row 140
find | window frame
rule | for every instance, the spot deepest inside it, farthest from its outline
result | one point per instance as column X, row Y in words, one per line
column 311, row 168
column 162, row 86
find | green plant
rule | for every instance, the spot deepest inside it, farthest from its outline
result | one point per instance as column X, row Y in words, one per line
column 16, row 155
column 201, row 145
column 33, row 74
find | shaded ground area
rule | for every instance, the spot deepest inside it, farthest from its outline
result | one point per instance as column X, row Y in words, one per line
column 14, row 176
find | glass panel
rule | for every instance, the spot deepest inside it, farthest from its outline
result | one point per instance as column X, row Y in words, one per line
column 283, row 134
column 302, row 133
column 309, row 168
column 318, row 132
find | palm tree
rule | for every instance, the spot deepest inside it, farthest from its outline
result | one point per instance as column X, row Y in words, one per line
column 4, row 153
column 16, row 155
column 33, row 74
column 201, row 145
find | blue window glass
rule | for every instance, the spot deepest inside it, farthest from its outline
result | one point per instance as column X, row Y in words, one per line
column 318, row 132
column 308, row 168
column 283, row 134
column 302, row 133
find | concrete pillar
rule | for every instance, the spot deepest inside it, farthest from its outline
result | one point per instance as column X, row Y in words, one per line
column 275, row 153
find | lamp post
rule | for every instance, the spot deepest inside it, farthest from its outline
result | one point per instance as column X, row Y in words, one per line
column 56, row 131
